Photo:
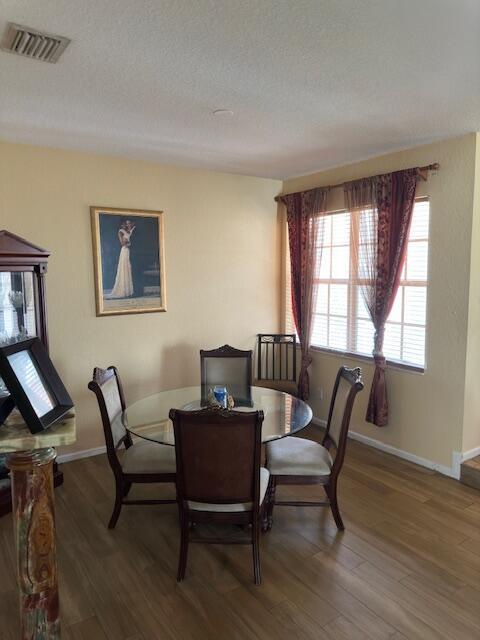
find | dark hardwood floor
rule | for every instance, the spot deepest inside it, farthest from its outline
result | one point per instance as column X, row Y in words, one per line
column 407, row 566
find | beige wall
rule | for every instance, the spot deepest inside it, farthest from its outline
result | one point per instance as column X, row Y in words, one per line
column 426, row 410
column 222, row 264
column 471, row 418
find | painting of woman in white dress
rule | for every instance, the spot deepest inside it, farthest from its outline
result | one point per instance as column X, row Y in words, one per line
column 129, row 260
column 123, row 286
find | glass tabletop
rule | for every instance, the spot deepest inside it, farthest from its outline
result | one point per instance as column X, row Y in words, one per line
column 283, row 414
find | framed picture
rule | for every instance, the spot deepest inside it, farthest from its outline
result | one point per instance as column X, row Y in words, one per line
column 34, row 384
column 129, row 261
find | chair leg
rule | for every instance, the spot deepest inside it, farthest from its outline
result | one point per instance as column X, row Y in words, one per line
column 184, row 538
column 126, row 488
column 331, row 491
column 119, row 493
column 257, row 572
column 267, row 520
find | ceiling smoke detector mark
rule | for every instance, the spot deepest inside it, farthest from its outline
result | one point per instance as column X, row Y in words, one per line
column 34, row 44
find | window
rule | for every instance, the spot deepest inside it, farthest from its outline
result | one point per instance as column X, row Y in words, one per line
column 341, row 320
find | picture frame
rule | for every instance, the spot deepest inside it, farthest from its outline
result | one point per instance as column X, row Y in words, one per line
column 34, row 384
column 129, row 260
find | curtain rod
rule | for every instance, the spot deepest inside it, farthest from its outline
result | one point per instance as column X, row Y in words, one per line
column 422, row 172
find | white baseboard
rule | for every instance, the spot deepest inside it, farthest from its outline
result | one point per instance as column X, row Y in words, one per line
column 473, row 453
column 77, row 455
column 452, row 472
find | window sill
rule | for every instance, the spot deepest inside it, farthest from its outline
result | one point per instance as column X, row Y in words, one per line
column 393, row 364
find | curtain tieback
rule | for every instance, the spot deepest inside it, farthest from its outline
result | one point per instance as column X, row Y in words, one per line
column 378, row 356
column 306, row 361
column 378, row 339
column 379, row 360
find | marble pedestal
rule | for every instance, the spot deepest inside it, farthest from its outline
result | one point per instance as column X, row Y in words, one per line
column 30, row 458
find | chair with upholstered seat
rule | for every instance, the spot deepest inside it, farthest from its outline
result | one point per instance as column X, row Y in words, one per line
column 228, row 367
column 142, row 462
column 299, row 461
column 219, row 478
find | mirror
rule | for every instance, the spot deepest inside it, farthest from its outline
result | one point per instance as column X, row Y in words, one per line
column 17, row 307
column 17, row 311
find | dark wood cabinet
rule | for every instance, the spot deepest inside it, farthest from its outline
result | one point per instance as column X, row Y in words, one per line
column 23, row 315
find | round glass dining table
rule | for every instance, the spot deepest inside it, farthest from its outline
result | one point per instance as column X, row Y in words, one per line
column 147, row 418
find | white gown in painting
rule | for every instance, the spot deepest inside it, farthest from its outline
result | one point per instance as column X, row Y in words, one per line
column 123, row 287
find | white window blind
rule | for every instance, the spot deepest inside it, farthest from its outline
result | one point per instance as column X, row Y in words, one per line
column 341, row 320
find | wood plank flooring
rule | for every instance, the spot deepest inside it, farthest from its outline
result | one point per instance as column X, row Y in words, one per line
column 407, row 566
column 470, row 472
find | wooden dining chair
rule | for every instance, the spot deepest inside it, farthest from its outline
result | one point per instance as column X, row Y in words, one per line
column 277, row 362
column 293, row 460
column 219, row 478
column 144, row 461
column 228, row 367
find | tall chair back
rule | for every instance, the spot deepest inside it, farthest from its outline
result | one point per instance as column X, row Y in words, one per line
column 218, row 456
column 107, row 387
column 277, row 357
column 228, row 367
column 347, row 384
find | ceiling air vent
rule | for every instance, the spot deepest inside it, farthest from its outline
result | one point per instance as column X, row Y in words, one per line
column 32, row 43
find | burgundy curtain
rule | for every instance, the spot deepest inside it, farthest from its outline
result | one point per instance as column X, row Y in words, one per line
column 385, row 204
column 305, row 233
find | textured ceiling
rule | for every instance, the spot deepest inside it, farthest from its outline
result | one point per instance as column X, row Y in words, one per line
column 312, row 83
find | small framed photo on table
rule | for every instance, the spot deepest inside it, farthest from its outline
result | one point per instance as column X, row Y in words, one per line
column 129, row 261
column 34, row 384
